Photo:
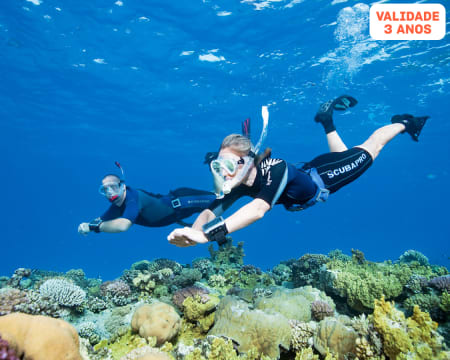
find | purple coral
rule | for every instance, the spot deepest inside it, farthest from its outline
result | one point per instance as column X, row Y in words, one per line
column 117, row 291
column 181, row 295
column 441, row 282
column 320, row 310
column 6, row 353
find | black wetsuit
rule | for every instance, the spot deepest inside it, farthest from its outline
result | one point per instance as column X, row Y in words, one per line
column 278, row 182
column 155, row 210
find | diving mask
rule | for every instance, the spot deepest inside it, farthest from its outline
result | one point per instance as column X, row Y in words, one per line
column 111, row 190
column 229, row 165
column 222, row 165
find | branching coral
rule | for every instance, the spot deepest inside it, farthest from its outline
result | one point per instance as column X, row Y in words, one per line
column 63, row 292
column 302, row 334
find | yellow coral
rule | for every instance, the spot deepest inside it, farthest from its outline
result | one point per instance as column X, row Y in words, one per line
column 144, row 282
column 200, row 312
column 413, row 338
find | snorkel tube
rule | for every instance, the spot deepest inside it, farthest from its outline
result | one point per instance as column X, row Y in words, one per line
column 122, row 181
column 223, row 186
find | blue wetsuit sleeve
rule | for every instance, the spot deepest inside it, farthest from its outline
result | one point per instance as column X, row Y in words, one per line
column 274, row 180
column 112, row 213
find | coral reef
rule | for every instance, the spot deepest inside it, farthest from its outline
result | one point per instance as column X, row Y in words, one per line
column 228, row 310
column 158, row 320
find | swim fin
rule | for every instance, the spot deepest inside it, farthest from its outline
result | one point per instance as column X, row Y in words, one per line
column 325, row 113
column 413, row 125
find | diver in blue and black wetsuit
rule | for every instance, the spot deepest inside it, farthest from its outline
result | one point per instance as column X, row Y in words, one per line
column 135, row 206
column 274, row 181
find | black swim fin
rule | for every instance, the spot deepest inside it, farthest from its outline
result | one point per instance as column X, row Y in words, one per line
column 413, row 125
column 325, row 113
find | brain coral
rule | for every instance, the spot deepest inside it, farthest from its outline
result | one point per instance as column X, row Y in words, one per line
column 37, row 337
column 251, row 329
column 63, row 292
column 159, row 320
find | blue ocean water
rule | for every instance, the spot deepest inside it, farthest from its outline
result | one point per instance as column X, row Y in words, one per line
column 157, row 84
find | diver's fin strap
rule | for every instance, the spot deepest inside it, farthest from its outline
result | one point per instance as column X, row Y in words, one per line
column 321, row 194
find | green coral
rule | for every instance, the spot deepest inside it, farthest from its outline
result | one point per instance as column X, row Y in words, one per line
column 414, row 338
column 445, row 302
column 361, row 284
column 426, row 302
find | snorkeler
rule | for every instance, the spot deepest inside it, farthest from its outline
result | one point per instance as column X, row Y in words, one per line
column 274, row 181
column 135, row 206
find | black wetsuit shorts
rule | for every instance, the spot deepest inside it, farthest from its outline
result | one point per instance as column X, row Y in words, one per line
column 341, row 168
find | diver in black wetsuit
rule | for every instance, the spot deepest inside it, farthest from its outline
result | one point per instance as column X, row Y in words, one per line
column 274, row 181
column 135, row 206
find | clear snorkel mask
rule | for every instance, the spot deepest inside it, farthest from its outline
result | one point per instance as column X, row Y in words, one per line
column 230, row 165
column 113, row 190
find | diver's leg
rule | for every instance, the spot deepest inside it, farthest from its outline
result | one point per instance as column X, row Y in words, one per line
column 325, row 117
column 400, row 124
column 380, row 138
column 335, row 142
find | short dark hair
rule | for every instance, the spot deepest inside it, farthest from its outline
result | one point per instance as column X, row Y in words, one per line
column 114, row 176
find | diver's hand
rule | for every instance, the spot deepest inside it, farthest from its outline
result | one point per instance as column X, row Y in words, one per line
column 187, row 237
column 83, row 229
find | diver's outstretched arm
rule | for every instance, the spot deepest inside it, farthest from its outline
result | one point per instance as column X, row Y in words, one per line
column 245, row 216
column 110, row 226
column 205, row 217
